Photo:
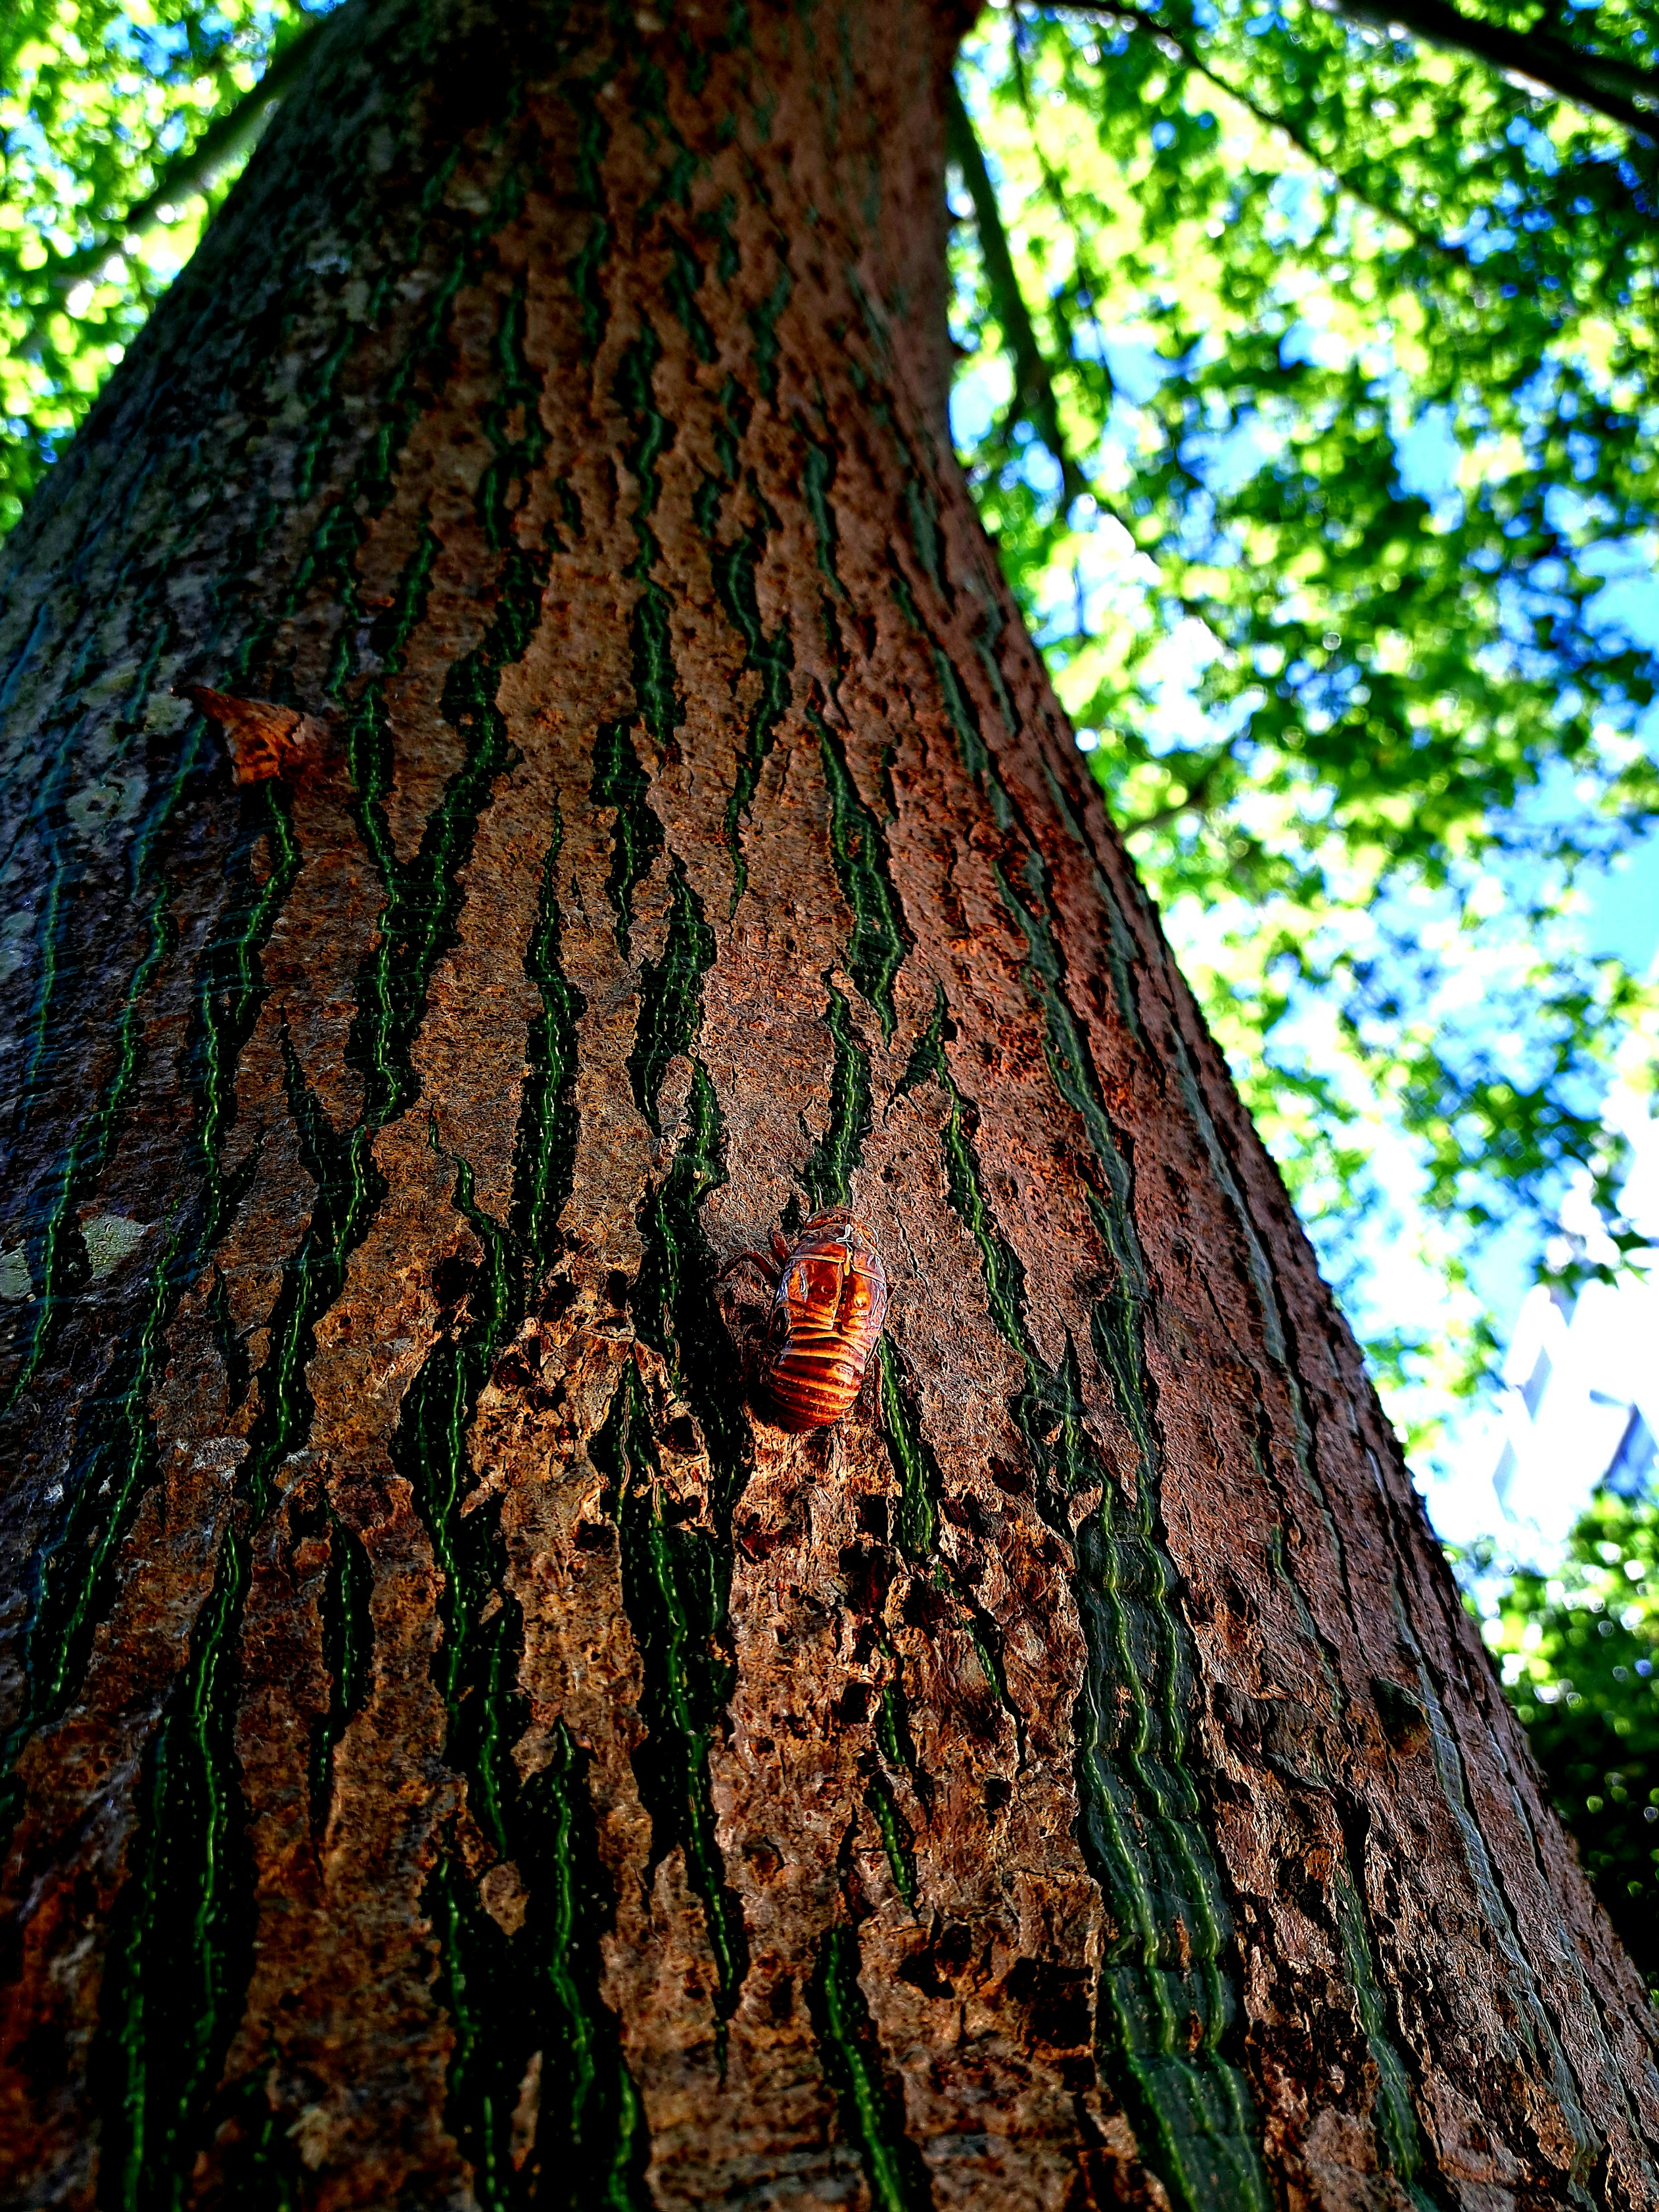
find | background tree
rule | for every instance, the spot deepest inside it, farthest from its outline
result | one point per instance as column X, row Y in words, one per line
column 456, row 1752
column 1576, row 1649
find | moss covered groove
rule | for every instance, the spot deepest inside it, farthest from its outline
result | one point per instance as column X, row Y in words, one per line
column 1168, row 2004
column 675, row 1583
column 538, row 1990
column 56, row 1252
column 262, row 2168
column 181, row 1936
column 877, row 948
column 534, row 1996
column 545, row 1149
column 677, row 1570
column 827, row 1176
column 637, row 837
column 585, row 268
column 113, row 1460
column 58, row 1263
column 769, row 656
column 182, row 1932
column 871, row 2101
column 921, row 1490
column 188, row 1897
column 655, row 688
column 347, row 1637
column 671, row 997
column 764, row 320
column 1115, row 1325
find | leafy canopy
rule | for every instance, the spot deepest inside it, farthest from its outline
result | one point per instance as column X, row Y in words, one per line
column 1307, row 387
column 1578, row 1651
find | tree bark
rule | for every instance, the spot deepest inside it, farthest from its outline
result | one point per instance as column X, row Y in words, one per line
column 460, row 1753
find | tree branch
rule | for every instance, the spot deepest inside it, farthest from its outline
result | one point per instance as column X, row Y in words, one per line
column 1033, row 388
column 1125, row 11
column 195, row 168
column 1622, row 91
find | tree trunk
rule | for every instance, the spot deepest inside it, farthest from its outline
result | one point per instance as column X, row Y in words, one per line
column 460, row 1752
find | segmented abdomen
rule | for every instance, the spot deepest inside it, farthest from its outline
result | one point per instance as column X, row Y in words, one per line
column 816, row 1379
column 826, row 1316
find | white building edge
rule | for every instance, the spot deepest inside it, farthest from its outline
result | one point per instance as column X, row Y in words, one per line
column 1580, row 1379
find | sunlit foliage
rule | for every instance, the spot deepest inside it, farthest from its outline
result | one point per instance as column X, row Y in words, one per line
column 101, row 107
column 1578, row 1651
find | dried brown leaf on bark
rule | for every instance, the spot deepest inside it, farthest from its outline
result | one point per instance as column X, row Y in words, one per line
column 263, row 740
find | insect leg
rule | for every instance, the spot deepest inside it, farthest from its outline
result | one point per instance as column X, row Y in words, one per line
column 758, row 1260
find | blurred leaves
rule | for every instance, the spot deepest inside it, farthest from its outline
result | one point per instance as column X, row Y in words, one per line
column 1578, row 1651
column 101, row 108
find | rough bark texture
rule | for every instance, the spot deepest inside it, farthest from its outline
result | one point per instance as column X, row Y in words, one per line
column 458, row 1754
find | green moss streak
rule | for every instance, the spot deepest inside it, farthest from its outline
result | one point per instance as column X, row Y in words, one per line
column 512, row 1997
column 229, row 1343
column 677, row 1574
column 172, row 1987
column 330, row 557
column 716, row 224
column 872, row 2105
column 538, row 1989
column 185, row 1921
column 348, row 1651
column 1398, row 2135
column 513, row 424
column 684, row 282
column 114, row 1459
column 921, row 1487
column 769, row 656
column 1399, row 2140
column 897, row 1837
column 817, row 474
column 827, row 1178
column 58, row 1255
column 586, row 268
column 542, row 1984
column 1165, row 2005
column 677, row 1588
column 917, row 1472
column 764, row 322
column 115, row 1452
column 56, row 1258
column 637, row 837
column 660, row 706
column 262, row 2169
column 181, row 1938
column 877, row 947
column 671, row 996
column 544, row 1161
